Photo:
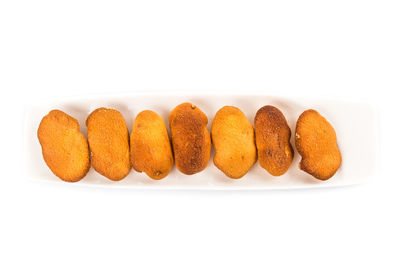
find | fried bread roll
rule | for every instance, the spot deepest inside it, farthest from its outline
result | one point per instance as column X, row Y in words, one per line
column 190, row 139
column 275, row 153
column 109, row 143
column 65, row 149
column 233, row 138
column 316, row 142
column 150, row 145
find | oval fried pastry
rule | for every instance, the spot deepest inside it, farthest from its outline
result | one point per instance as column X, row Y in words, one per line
column 275, row 153
column 150, row 146
column 316, row 143
column 109, row 143
column 233, row 138
column 65, row 149
column 190, row 139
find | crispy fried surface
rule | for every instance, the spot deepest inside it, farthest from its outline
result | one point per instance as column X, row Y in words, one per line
column 190, row 138
column 317, row 144
column 150, row 146
column 109, row 143
column 233, row 138
column 275, row 153
column 65, row 150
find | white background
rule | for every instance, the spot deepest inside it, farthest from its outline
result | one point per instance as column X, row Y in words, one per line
column 333, row 49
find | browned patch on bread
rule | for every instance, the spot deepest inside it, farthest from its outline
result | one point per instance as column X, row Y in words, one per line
column 150, row 145
column 233, row 138
column 109, row 143
column 275, row 153
column 65, row 149
column 190, row 139
column 316, row 142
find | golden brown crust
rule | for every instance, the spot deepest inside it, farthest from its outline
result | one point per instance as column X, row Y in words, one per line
column 190, row 139
column 65, row 149
column 150, row 145
column 233, row 138
column 109, row 143
column 316, row 142
column 275, row 153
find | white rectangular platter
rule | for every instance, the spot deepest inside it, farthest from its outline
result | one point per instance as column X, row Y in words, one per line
column 355, row 125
